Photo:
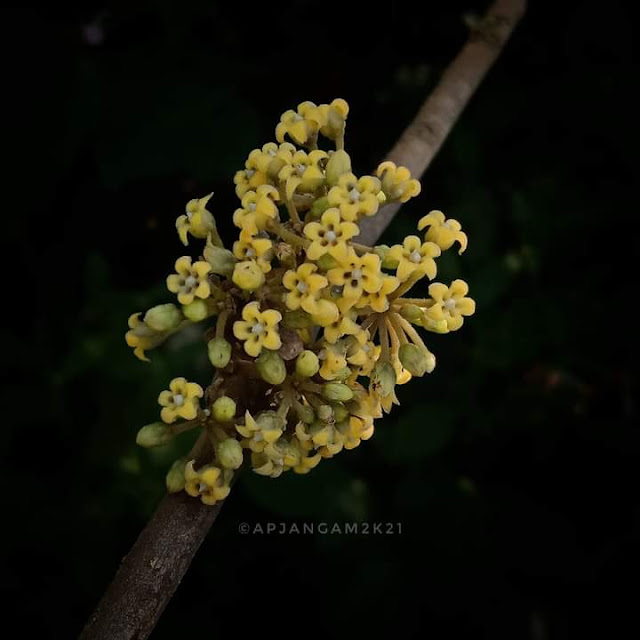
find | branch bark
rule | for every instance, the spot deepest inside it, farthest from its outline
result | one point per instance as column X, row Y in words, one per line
column 152, row 570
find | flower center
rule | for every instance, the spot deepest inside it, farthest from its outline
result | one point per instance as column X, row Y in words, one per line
column 252, row 206
column 272, row 153
column 300, row 169
column 178, row 399
column 415, row 257
column 449, row 304
column 190, row 282
column 257, row 328
column 301, row 287
column 202, row 487
column 356, row 274
column 297, row 117
column 330, row 236
column 250, row 253
column 354, row 195
column 249, row 173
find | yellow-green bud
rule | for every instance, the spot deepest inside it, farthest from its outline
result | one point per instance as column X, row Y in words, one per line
column 298, row 319
column 326, row 262
column 343, row 374
column 337, row 391
column 436, row 326
column 413, row 359
column 224, row 409
column 269, row 421
column 196, row 310
column 304, row 412
column 307, row 364
column 381, row 250
column 154, row 435
column 271, row 367
column 386, row 262
column 219, row 351
column 318, row 207
column 339, row 164
column 340, row 412
column 221, row 260
column 383, row 378
column 412, row 313
column 248, row 275
column 325, row 413
column 163, row 317
column 175, row 476
column 229, row 454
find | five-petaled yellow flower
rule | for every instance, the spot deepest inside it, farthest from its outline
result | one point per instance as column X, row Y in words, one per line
column 197, row 221
column 305, row 286
column 303, row 173
column 300, row 129
column 330, row 235
column 190, row 280
column 180, row 401
column 258, row 329
column 258, row 435
column 415, row 256
column 355, row 196
column 442, row 231
column 397, row 182
column 452, row 301
column 255, row 248
column 356, row 275
column 258, row 207
column 378, row 300
column 208, row 483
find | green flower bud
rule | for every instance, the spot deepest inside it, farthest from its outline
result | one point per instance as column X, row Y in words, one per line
column 154, row 435
column 222, row 261
column 219, row 351
column 164, row 317
column 343, row 374
column 339, row 164
column 304, row 413
column 383, row 378
column 307, row 364
column 269, row 421
column 271, row 367
column 298, row 319
column 318, row 207
column 337, row 391
column 224, row 409
column 229, row 454
column 436, row 326
column 413, row 359
column 412, row 313
column 196, row 310
column 340, row 412
column 386, row 262
column 326, row 262
column 175, row 476
column 325, row 413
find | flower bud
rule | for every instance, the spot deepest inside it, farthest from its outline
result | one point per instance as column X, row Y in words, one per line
column 339, row 164
column 271, row 367
column 383, row 378
column 318, row 207
column 221, row 260
column 164, row 317
column 154, row 435
column 343, row 374
column 269, row 421
column 307, row 364
column 224, row 409
column 413, row 359
column 337, row 391
column 326, row 262
column 196, row 310
column 385, row 260
column 325, row 413
column 340, row 412
column 412, row 313
column 248, row 275
column 304, row 413
column 298, row 319
column 175, row 476
column 229, row 454
column 219, row 351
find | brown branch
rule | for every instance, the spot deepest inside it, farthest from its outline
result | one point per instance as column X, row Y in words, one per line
column 422, row 139
column 157, row 562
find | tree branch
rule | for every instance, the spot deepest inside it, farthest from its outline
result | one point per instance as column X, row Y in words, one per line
column 157, row 562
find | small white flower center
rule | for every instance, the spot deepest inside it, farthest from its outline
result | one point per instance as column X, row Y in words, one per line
column 300, row 169
column 257, row 436
column 322, row 355
column 297, row 117
column 330, row 236
column 249, row 173
column 301, row 287
column 354, row 195
column 415, row 257
column 398, row 191
column 190, row 282
column 178, row 399
column 356, row 274
column 252, row 206
column 250, row 253
column 449, row 304
column 272, row 153
column 202, row 487
column 257, row 328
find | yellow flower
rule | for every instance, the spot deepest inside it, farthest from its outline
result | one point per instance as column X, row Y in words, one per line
column 301, row 130
column 443, row 232
column 397, row 183
column 356, row 275
column 141, row 337
column 413, row 255
column 198, row 221
column 258, row 434
column 362, row 354
column 333, row 361
column 303, row 173
column 258, row 329
column 270, row 461
column 191, row 280
column 343, row 325
column 330, row 235
column 329, row 117
column 180, row 401
column 378, row 299
column 255, row 248
column 249, row 179
column 326, row 312
column 304, row 287
column 299, row 458
column 258, row 207
column 355, row 196
column 248, row 275
column 452, row 302
column 210, row 483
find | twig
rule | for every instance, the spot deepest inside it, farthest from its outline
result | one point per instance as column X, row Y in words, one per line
column 153, row 569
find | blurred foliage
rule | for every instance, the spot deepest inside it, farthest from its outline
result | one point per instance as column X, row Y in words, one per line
column 512, row 468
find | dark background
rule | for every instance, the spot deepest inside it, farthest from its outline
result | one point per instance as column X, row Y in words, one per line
column 512, row 468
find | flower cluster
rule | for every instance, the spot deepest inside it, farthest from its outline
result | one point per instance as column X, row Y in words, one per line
column 313, row 331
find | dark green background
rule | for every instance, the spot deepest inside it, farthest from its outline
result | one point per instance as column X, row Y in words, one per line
column 512, row 468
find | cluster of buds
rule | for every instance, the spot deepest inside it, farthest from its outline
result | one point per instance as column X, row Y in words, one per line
column 313, row 331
